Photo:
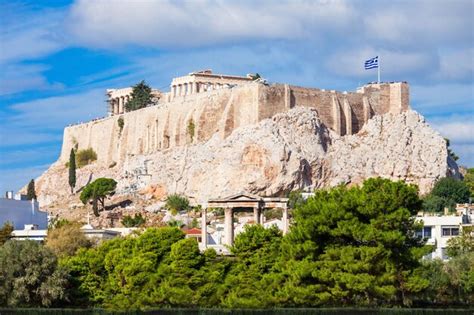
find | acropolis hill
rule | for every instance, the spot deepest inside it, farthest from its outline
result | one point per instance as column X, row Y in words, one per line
column 215, row 135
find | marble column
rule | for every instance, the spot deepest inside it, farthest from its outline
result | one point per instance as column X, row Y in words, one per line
column 284, row 220
column 229, row 226
column 116, row 106
column 204, row 227
column 120, row 108
column 262, row 217
column 256, row 215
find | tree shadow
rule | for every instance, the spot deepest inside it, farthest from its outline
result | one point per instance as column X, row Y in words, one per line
column 121, row 204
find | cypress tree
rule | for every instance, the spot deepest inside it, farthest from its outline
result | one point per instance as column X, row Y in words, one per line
column 30, row 192
column 72, row 170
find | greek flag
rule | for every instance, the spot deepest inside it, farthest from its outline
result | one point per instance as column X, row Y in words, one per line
column 372, row 63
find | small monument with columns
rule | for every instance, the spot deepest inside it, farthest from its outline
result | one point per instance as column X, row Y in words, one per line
column 243, row 202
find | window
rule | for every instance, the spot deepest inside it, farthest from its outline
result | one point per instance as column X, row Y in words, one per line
column 427, row 232
column 450, row 231
column 424, row 233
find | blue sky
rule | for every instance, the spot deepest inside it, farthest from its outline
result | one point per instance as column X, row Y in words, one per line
column 58, row 57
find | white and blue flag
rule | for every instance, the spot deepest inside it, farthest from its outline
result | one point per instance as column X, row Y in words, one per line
column 372, row 63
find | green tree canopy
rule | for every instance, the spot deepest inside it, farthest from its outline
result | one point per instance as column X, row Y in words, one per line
column 5, row 232
column 97, row 191
column 469, row 180
column 355, row 246
column 140, row 97
column 72, row 170
column 30, row 275
column 30, row 190
column 452, row 191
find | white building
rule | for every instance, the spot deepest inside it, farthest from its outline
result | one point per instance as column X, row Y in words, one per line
column 439, row 229
column 20, row 212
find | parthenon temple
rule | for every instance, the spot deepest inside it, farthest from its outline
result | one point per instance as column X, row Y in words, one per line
column 194, row 82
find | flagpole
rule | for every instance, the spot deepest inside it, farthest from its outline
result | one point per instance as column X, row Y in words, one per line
column 378, row 71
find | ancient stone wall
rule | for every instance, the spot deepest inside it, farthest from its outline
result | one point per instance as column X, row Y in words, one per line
column 197, row 117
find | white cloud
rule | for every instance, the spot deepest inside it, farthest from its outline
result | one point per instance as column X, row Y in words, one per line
column 17, row 78
column 457, row 65
column 60, row 110
column 457, row 131
column 108, row 24
column 422, row 22
column 446, row 96
column 29, row 35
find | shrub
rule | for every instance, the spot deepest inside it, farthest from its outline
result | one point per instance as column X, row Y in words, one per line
column 176, row 203
column 85, row 157
column 137, row 220
column 120, row 123
column 191, row 129
column 66, row 239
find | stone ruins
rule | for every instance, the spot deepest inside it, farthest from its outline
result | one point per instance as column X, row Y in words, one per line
column 214, row 103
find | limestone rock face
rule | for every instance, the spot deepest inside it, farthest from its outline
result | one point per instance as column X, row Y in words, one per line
column 291, row 150
column 396, row 146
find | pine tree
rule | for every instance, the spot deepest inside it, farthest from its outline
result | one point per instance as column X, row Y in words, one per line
column 140, row 97
column 72, row 170
column 30, row 191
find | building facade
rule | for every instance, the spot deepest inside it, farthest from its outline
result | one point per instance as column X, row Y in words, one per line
column 22, row 212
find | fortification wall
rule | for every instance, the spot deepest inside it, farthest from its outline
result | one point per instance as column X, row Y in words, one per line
column 221, row 111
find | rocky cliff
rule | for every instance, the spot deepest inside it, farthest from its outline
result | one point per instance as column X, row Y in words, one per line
column 291, row 150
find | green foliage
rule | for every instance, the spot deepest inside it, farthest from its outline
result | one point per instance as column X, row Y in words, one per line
column 271, row 214
column 97, row 191
column 356, row 246
column 194, row 223
column 452, row 190
column 30, row 190
column 462, row 244
column 66, row 239
column 347, row 247
column 469, row 180
column 191, row 128
column 175, row 223
column 57, row 222
column 5, row 232
column 85, row 157
column 140, row 97
column 120, row 123
column 135, row 221
column 445, row 194
column 176, row 203
column 72, row 170
column 450, row 282
column 30, row 275
column 123, row 273
column 433, row 203
column 295, row 199
column 450, row 152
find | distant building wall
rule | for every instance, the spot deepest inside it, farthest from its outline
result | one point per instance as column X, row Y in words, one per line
column 21, row 212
